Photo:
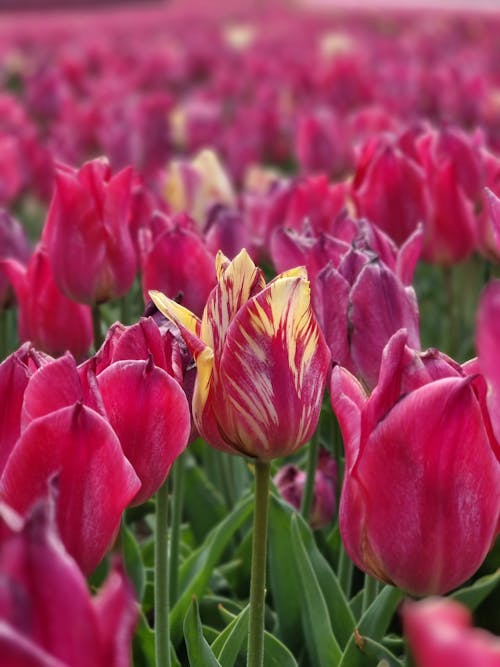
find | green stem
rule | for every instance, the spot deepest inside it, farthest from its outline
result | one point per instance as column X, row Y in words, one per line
column 97, row 326
column 312, row 462
column 345, row 571
column 175, row 528
column 370, row 591
column 162, row 628
column 255, row 657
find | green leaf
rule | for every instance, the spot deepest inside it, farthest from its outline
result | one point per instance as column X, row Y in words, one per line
column 283, row 580
column 284, row 577
column 276, row 653
column 205, row 508
column 230, row 641
column 133, row 560
column 473, row 595
column 144, row 644
column 199, row 652
column 372, row 628
column 322, row 646
column 196, row 570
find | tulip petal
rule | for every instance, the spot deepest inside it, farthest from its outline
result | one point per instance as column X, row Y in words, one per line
column 239, row 281
column 422, row 476
column 152, row 419
column 348, row 400
column 272, row 371
column 487, row 341
column 96, row 482
column 13, row 381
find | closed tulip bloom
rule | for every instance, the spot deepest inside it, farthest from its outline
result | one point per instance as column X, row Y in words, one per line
column 440, row 634
column 47, row 616
column 50, row 320
column 421, row 495
column 13, row 244
column 262, row 360
column 88, row 235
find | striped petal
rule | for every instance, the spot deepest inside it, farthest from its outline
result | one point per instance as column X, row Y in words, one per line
column 272, row 372
column 188, row 323
column 238, row 281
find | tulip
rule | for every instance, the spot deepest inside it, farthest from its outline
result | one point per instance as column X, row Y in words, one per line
column 47, row 317
column 47, row 615
column 179, row 264
column 440, row 634
column 87, row 233
column 242, row 403
column 421, row 461
column 363, row 300
column 290, row 482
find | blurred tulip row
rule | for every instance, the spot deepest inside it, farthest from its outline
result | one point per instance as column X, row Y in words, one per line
column 249, row 332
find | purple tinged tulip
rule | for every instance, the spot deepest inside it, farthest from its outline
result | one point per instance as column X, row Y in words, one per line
column 14, row 245
column 421, row 461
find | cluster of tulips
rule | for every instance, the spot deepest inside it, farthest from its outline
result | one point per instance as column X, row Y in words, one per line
column 287, row 204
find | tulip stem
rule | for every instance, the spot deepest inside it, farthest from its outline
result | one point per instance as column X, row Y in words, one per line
column 345, row 571
column 162, row 627
column 175, row 528
column 255, row 656
column 97, row 326
column 312, row 462
column 370, row 591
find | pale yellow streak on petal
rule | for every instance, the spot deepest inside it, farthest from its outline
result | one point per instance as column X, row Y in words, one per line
column 297, row 272
column 205, row 367
column 221, row 264
column 175, row 312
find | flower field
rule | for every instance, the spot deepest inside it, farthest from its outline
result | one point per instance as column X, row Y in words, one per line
column 249, row 336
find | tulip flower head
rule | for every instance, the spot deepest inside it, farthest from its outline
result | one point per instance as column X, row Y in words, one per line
column 262, row 360
column 420, row 501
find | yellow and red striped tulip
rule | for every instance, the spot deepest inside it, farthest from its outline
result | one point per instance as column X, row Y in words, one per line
column 261, row 358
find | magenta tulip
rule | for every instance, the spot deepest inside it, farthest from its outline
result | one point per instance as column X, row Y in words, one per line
column 87, row 233
column 440, row 634
column 420, row 461
column 47, row 616
column 14, row 245
column 49, row 319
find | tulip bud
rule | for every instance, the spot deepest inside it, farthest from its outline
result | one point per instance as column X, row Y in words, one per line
column 420, row 502
column 261, row 358
column 87, row 233
column 14, row 245
column 290, row 482
column 49, row 319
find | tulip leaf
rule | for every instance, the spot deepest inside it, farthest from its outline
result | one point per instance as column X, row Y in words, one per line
column 232, row 641
column 322, row 646
column 284, row 578
column 473, row 595
column 362, row 648
column 199, row 652
column 229, row 642
column 133, row 560
column 205, row 508
column 196, row 570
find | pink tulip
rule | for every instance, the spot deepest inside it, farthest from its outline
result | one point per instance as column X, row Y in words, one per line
column 14, row 245
column 242, row 403
column 440, row 634
column 290, row 482
column 49, row 319
column 420, row 461
column 179, row 264
column 47, row 616
column 87, row 233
